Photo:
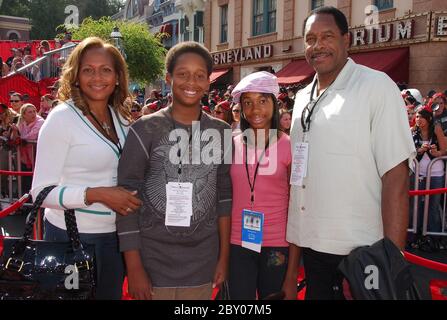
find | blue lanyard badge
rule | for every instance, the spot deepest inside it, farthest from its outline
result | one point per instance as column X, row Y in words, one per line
column 252, row 230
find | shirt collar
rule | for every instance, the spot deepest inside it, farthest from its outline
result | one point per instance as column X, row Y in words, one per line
column 341, row 80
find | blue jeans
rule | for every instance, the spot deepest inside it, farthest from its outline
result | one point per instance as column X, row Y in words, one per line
column 434, row 213
column 109, row 261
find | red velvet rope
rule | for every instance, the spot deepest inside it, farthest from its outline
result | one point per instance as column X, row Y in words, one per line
column 16, row 173
column 430, row 264
column 427, row 192
column 14, row 206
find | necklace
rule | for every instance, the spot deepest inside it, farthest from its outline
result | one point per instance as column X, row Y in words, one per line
column 106, row 128
column 103, row 125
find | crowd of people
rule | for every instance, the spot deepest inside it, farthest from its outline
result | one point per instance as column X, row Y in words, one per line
column 311, row 175
column 23, row 56
column 428, row 123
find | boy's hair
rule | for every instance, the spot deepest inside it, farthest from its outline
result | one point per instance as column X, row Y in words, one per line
column 339, row 17
column 188, row 47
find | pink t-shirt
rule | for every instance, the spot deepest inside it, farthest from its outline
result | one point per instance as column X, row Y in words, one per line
column 271, row 189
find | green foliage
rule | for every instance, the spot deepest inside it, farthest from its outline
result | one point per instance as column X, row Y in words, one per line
column 46, row 15
column 145, row 54
column 16, row 8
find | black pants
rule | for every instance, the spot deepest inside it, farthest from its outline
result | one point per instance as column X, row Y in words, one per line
column 324, row 281
column 252, row 272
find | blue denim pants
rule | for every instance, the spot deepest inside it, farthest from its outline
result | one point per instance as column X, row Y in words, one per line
column 434, row 213
column 109, row 261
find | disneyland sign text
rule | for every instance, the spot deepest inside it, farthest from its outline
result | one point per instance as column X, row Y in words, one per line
column 243, row 54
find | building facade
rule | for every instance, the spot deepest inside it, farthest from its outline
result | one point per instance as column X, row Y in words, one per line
column 177, row 20
column 405, row 38
column 14, row 28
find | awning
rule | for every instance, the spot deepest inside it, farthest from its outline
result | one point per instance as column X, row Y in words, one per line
column 394, row 62
column 168, row 29
column 295, row 72
column 216, row 74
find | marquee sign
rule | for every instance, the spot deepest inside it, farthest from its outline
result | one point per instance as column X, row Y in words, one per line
column 243, row 54
column 387, row 32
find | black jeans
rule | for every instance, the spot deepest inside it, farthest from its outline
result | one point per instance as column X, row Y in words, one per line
column 252, row 272
column 323, row 280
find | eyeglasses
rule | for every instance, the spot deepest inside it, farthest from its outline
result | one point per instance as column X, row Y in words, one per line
column 306, row 115
column 237, row 111
column 14, row 101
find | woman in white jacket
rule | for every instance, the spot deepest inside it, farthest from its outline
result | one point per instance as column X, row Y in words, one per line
column 78, row 150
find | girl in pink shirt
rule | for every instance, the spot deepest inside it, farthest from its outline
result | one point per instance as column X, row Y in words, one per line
column 260, row 177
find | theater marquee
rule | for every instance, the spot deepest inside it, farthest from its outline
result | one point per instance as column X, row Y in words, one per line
column 424, row 27
column 243, row 54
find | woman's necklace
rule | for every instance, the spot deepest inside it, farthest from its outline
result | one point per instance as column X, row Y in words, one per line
column 103, row 125
column 106, row 128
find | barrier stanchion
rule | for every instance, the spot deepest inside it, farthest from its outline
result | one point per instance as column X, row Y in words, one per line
column 416, row 197
column 10, row 177
column 16, row 205
column 19, row 178
column 427, row 201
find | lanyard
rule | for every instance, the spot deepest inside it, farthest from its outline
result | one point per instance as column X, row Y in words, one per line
column 179, row 152
column 252, row 186
column 308, row 111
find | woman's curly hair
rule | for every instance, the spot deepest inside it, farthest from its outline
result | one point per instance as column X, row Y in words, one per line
column 69, row 89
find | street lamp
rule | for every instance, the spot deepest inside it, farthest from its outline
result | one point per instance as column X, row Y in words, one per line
column 118, row 40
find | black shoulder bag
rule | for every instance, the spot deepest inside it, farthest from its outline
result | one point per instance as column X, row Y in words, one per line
column 44, row 270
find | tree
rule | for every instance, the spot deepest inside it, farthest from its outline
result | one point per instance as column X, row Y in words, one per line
column 16, row 8
column 47, row 15
column 145, row 54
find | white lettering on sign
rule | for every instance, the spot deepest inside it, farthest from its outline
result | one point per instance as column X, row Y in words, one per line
column 442, row 26
column 405, row 30
column 386, row 32
column 243, row 54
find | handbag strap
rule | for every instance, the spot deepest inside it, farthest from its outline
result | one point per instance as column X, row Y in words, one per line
column 70, row 221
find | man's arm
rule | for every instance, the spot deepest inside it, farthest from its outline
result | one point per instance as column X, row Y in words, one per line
column 395, row 204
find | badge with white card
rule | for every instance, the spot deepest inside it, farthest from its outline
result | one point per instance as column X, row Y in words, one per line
column 299, row 163
column 178, row 204
column 252, row 230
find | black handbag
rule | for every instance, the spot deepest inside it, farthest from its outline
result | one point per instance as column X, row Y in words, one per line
column 44, row 270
